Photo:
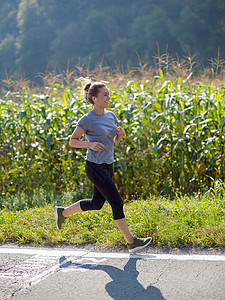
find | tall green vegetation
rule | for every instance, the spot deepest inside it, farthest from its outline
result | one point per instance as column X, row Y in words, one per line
column 174, row 125
column 34, row 33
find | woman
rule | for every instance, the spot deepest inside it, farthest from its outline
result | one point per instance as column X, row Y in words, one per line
column 99, row 126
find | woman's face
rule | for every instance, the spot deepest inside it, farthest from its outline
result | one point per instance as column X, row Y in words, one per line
column 102, row 100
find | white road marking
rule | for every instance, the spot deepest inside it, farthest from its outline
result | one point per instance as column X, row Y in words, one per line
column 43, row 263
column 86, row 254
column 28, row 268
column 43, row 275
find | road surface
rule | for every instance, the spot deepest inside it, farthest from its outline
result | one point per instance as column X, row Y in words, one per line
column 47, row 274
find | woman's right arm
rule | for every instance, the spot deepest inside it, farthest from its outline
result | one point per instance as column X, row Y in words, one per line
column 75, row 139
column 76, row 143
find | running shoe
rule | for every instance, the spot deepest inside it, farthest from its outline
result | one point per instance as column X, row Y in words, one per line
column 59, row 218
column 138, row 244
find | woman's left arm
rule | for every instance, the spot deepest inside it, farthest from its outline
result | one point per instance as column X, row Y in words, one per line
column 120, row 133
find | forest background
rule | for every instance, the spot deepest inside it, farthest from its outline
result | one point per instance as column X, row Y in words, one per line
column 35, row 33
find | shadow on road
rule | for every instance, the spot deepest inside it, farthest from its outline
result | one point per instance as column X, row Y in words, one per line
column 124, row 284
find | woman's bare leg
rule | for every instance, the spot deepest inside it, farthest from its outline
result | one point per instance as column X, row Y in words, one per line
column 122, row 225
column 72, row 209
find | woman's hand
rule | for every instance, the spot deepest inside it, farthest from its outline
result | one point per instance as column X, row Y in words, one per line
column 120, row 131
column 96, row 146
column 119, row 134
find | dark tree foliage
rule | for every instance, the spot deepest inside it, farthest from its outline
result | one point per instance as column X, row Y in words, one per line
column 8, row 34
column 35, row 33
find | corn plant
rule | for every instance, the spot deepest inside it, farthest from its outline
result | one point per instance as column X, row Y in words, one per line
column 174, row 142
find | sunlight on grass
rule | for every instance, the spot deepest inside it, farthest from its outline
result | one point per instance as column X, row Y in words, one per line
column 178, row 223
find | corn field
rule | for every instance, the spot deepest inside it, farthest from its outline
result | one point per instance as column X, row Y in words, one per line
column 174, row 142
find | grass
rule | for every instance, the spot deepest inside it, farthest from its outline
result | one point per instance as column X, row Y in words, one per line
column 183, row 222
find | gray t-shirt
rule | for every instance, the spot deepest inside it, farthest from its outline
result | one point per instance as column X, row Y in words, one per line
column 102, row 129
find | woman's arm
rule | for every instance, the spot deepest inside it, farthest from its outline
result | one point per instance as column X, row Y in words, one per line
column 76, row 143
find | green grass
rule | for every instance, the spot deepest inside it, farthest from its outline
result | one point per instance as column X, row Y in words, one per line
column 191, row 222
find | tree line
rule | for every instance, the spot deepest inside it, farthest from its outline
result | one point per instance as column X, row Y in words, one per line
column 35, row 33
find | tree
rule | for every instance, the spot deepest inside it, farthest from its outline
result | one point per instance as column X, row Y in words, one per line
column 33, row 41
column 8, row 34
column 56, row 32
column 67, row 46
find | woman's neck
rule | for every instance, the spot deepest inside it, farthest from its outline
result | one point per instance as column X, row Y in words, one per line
column 98, row 110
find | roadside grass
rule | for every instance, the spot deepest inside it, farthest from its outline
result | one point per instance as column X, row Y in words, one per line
column 182, row 222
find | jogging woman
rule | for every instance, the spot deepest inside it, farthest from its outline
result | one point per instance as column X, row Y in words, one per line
column 99, row 126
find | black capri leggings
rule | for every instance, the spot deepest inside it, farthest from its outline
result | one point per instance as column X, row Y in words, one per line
column 104, row 189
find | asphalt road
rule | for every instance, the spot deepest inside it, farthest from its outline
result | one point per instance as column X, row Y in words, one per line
column 47, row 274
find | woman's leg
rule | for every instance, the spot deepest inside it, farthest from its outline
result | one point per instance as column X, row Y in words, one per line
column 95, row 203
column 72, row 209
column 102, row 179
column 122, row 225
